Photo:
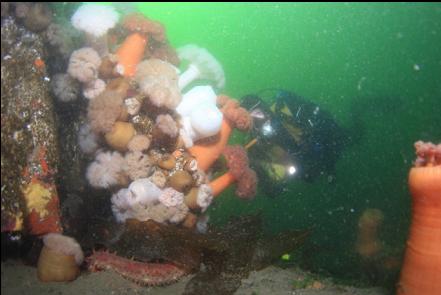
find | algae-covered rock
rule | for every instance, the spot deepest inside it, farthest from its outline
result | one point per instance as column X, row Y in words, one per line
column 28, row 131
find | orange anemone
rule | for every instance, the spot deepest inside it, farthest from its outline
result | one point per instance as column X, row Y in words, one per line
column 421, row 272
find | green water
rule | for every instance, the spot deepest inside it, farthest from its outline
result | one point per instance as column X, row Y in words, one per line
column 383, row 58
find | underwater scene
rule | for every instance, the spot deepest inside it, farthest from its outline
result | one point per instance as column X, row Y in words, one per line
column 220, row 148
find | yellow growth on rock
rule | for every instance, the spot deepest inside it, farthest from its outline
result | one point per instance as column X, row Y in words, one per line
column 37, row 197
column 18, row 222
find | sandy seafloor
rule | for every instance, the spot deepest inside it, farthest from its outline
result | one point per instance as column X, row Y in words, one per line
column 17, row 278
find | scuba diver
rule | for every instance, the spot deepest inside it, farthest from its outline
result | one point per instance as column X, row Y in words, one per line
column 296, row 139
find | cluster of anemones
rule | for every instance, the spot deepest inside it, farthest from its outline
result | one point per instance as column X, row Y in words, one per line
column 143, row 117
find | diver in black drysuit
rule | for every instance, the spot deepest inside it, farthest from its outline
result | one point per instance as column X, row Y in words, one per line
column 296, row 139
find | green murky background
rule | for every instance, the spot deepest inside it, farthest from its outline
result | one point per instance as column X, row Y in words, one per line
column 379, row 61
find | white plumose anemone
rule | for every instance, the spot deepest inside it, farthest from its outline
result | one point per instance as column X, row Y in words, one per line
column 201, row 117
column 95, row 20
column 203, row 65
